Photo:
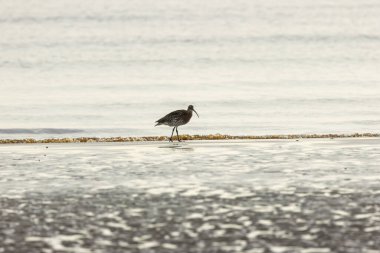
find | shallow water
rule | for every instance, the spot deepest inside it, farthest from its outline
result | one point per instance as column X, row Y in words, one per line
column 108, row 68
column 283, row 196
column 162, row 167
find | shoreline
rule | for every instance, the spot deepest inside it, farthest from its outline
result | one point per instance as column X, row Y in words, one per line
column 188, row 138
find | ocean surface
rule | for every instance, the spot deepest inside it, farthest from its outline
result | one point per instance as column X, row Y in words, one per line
column 111, row 68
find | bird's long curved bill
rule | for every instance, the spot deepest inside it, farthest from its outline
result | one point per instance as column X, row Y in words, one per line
column 196, row 113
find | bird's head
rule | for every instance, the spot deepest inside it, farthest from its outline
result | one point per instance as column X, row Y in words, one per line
column 191, row 108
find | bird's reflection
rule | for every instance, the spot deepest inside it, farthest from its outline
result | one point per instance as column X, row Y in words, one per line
column 177, row 146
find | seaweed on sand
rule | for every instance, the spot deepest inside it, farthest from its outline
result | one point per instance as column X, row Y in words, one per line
column 187, row 137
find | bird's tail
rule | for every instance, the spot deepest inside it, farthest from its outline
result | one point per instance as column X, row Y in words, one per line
column 160, row 122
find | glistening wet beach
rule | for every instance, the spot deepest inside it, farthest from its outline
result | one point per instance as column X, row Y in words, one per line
column 315, row 195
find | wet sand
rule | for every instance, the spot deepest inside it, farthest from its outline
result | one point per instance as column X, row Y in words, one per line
column 314, row 195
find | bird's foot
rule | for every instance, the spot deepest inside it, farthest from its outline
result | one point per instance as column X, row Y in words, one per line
column 170, row 140
column 179, row 141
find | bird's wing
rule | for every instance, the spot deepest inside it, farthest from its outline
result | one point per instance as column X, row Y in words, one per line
column 171, row 116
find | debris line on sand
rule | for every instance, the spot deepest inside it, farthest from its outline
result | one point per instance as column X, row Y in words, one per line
column 188, row 137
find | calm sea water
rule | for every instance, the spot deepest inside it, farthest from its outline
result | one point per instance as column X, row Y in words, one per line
column 108, row 68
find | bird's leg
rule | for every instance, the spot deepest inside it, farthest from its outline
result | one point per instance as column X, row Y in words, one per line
column 176, row 129
column 171, row 137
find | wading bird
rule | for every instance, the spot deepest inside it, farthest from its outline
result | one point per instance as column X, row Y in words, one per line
column 176, row 119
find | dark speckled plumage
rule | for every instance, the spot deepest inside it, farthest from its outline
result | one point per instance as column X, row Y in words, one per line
column 176, row 119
